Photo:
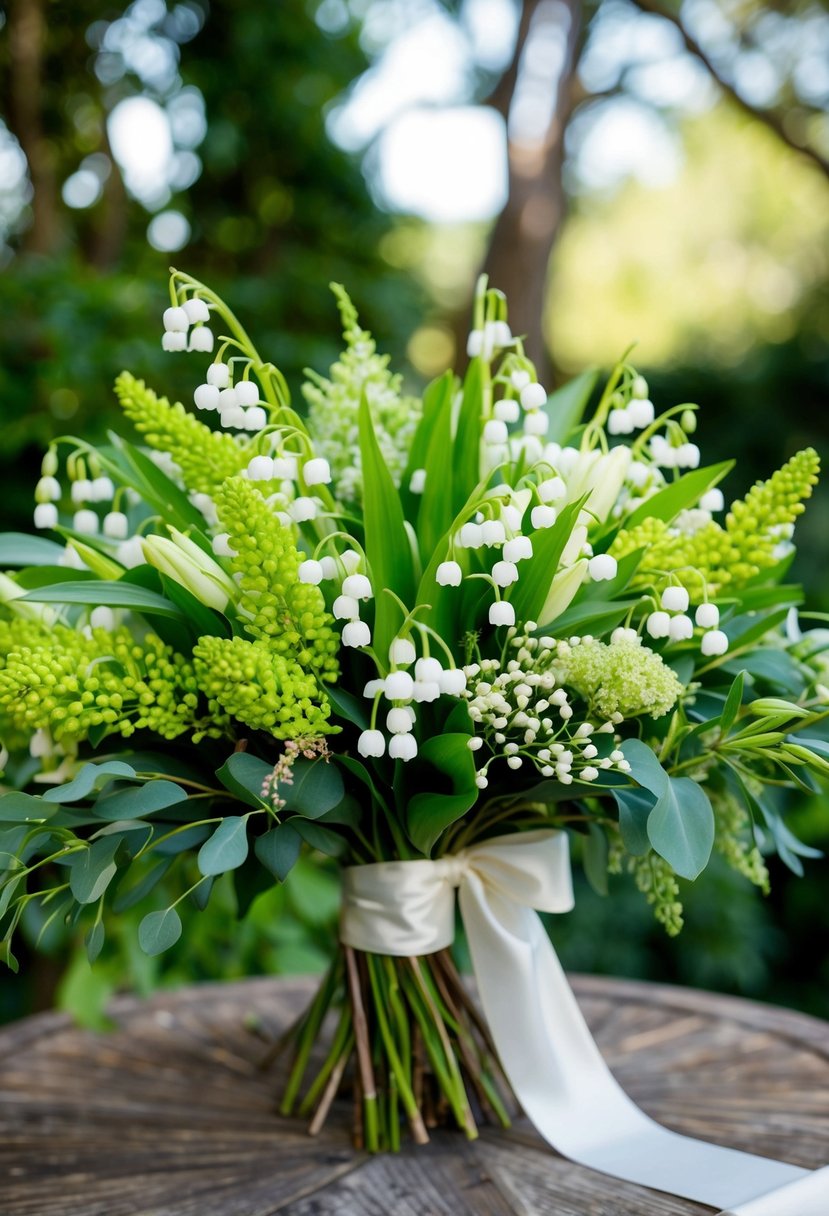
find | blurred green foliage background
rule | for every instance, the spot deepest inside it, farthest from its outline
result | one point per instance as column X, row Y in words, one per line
column 631, row 170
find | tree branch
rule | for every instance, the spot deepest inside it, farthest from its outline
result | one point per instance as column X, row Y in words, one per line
column 768, row 117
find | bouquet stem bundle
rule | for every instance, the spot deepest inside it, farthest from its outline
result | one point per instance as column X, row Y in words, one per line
column 408, row 1042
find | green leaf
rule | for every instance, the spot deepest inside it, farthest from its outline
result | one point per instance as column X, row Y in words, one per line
column 531, row 591
column 278, row 850
column 595, row 857
column 138, row 801
column 645, row 769
column 21, row 549
column 94, row 940
column 634, row 807
column 17, row 807
column 590, row 617
column 317, row 787
column 127, row 897
column 745, row 629
column 685, row 492
column 318, row 837
column 436, row 514
column 433, row 398
column 203, row 621
column 159, row 931
column 386, row 542
column 429, row 814
column 114, row 594
column 567, row 404
column 154, row 486
column 348, row 707
column 681, row 826
column 732, row 702
column 93, row 870
column 227, row 848
column 91, row 777
column 467, row 445
column 244, row 775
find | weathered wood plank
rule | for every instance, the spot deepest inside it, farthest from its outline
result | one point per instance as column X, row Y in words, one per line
column 169, row 1115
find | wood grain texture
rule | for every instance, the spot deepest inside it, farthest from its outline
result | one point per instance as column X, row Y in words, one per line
column 169, row 1115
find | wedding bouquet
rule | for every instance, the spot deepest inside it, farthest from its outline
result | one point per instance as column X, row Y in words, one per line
column 450, row 632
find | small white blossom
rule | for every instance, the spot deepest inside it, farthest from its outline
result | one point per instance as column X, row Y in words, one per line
column 218, row 374
column 46, row 515
column 256, row 418
column 173, row 341
column 602, row 567
column 310, row 571
column 712, row 501
column 499, row 334
column 536, row 422
column 102, row 618
column 620, row 422
column 85, row 521
column 371, row 743
column 681, row 628
column 658, row 625
column 470, row 536
column 232, row 419
column 175, row 320
column 398, row 686
column 425, row 691
column 403, row 747
column 302, row 509
column 493, row 532
column 201, row 339
column 228, row 399
column 206, row 397
column 520, row 379
column 398, row 721
column 351, row 559
column 357, row 586
column 715, row 642
column 627, row 636
column 518, row 548
column 428, row 669
column 675, row 599
column 221, row 545
column 101, row 489
column 588, row 773
column 345, row 608
column 316, row 472
column 452, row 682
column 81, row 491
column 285, row 468
column 475, row 743
column 514, row 761
column 247, row 392
column 552, row 489
column 687, row 456
column 533, row 396
column 707, row 616
column 196, row 310
column 481, row 781
column 504, row 573
column 448, row 574
column 475, row 343
column 356, row 633
column 641, row 412
column 402, row 652
column 115, row 525
column 260, row 468
column 507, row 410
column 501, row 613
column 329, row 567
column 543, row 516
column 373, row 689
column 495, row 431
column 130, row 553
column 417, row 482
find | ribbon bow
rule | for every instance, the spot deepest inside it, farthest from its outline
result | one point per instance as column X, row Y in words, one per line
column 556, row 1071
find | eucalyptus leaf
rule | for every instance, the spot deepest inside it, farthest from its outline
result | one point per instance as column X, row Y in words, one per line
column 93, row 870
column 645, row 769
column 94, row 940
column 17, row 807
column 159, row 931
column 90, row 778
column 595, row 856
column 139, row 801
column 22, row 549
column 278, row 850
column 317, row 787
column 244, row 775
column 634, row 808
column 681, row 826
column 227, row 848
column 318, row 837
column 127, row 897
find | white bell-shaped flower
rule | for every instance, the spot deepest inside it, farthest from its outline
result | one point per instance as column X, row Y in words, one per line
column 196, row 310
column 501, row 613
column 398, row 721
column 316, row 472
column 658, row 625
column 714, row 643
column 345, row 608
column 504, row 573
column 371, row 743
column 452, row 682
column 403, row 747
column 398, row 686
column 206, row 397
column 85, row 521
column 115, row 525
column 402, row 652
column 302, row 509
column 707, row 616
column 417, row 481
column 518, row 548
column 260, row 468
column 310, row 571
column 358, row 586
column 602, row 567
column 448, row 574
column 507, row 410
column 175, row 320
column 356, row 633
column 681, row 628
column 533, row 396
column 675, row 599
column 46, row 515
column 218, row 374
column 201, row 339
column 247, row 392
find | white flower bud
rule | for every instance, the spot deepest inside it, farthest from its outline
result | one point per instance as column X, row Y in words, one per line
column 681, row 628
column 519, row 379
column 402, row 652
column 639, row 387
column 285, row 468
column 481, row 781
column 116, row 525
column 130, row 553
column 201, row 339
column 102, row 618
column 345, row 608
column 707, row 616
column 448, row 574
column 641, row 412
column 712, row 501
column 206, row 397
column 310, row 571
column 500, row 333
column 475, row 743
column 417, row 482
column 536, row 423
column 501, row 613
column 687, row 456
column 228, row 399
column 101, row 489
column 403, row 747
column 398, row 686
column 452, row 682
column 518, row 548
column 46, row 515
column 356, row 633
column 316, row 472
column 658, row 625
column 256, row 418
column 196, row 310
column 619, row 422
column 247, row 392
column 373, row 688
column 504, row 573
column 260, row 468
column 475, row 343
column 218, row 374
column 175, row 320
column 47, row 490
column 495, row 432
column 81, row 491
column 425, row 691
column 398, row 721
column 675, row 599
column 493, row 532
column 627, row 636
column 533, row 396
column 371, row 743
column 428, row 669
column 302, row 509
column 507, row 410
column 171, row 341
column 552, row 489
column 588, row 773
column 543, row 517
column 329, row 567
column 470, row 536
column 221, row 545
column 85, row 521
column 714, row 643
column 358, row 586
column 602, row 567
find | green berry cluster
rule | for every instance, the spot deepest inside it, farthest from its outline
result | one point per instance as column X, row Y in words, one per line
column 264, row 689
column 289, row 614
column 615, row 678
column 733, row 839
column 205, row 457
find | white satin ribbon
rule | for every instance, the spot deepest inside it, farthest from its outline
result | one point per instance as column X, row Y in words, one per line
column 555, row 1069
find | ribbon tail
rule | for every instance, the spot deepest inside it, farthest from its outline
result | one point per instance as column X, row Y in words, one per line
column 567, row 1091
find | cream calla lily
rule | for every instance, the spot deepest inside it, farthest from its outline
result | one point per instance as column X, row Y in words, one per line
column 184, row 562
column 562, row 591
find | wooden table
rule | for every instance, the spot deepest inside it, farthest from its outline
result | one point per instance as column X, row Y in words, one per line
column 169, row 1115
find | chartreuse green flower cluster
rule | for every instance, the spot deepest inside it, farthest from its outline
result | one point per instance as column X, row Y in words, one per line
column 206, row 458
column 734, row 841
column 333, row 405
column 619, row 679
column 656, row 880
column 290, row 615
column 265, row 690
column 56, row 679
column 755, row 530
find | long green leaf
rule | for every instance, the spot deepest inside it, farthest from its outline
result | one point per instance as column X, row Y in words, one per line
column 429, row 814
column 436, row 514
column 565, row 407
column 532, row 588
column 21, row 549
column 156, row 488
column 387, row 545
column 668, row 503
column 433, row 398
column 115, row 594
column 466, row 458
